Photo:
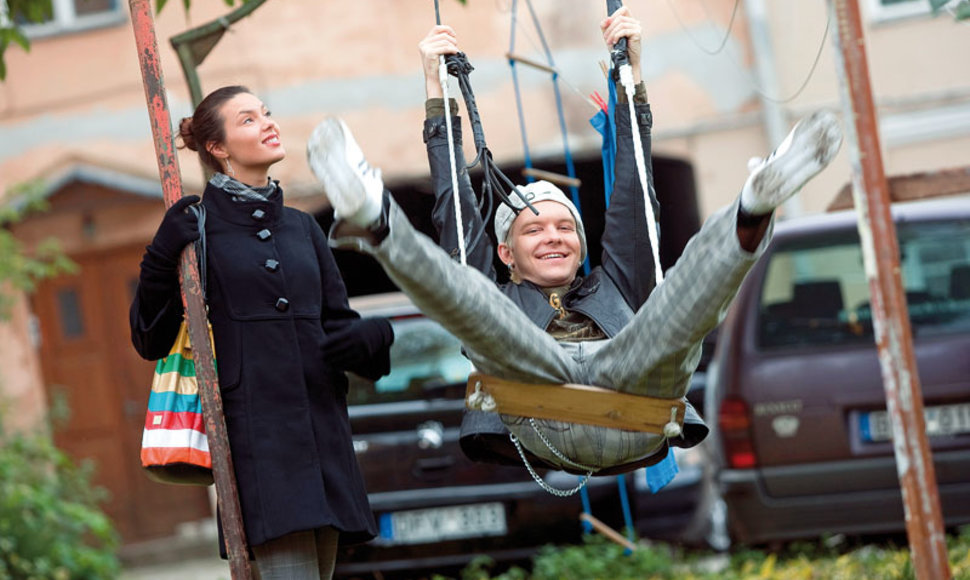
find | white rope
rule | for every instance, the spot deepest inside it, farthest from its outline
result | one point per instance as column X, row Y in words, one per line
column 481, row 400
column 672, row 429
column 459, row 225
column 626, row 79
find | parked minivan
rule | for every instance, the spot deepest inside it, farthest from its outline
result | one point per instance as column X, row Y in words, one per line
column 801, row 440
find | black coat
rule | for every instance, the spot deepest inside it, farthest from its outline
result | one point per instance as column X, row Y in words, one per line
column 285, row 407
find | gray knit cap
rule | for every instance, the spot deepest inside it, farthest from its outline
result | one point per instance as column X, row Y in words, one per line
column 536, row 192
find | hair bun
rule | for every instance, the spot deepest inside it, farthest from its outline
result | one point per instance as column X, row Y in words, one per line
column 185, row 132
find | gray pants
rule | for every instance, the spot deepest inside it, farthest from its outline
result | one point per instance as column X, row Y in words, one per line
column 308, row 555
column 655, row 354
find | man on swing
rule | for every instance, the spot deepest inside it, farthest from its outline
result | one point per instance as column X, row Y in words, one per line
column 615, row 328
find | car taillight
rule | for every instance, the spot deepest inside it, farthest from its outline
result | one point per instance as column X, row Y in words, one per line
column 735, row 425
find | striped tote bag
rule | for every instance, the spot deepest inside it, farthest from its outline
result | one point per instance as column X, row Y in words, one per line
column 174, row 447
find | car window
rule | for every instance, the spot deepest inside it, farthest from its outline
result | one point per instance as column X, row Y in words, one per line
column 815, row 290
column 424, row 359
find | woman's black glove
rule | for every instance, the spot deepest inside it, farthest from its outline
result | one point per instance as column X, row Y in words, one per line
column 361, row 347
column 179, row 228
column 158, row 281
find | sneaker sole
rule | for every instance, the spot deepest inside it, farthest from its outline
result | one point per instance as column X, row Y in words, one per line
column 815, row 142
column 325, row 155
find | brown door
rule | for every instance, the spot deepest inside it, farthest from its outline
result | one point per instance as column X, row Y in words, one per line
column 87, row 357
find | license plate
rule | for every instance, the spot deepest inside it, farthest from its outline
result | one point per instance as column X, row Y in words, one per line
column 447, row 523
column 940, row 420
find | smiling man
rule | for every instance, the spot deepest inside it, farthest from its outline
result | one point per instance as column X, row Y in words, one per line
column 615, row 327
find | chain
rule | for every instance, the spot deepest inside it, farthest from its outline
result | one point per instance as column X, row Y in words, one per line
column 542, row 483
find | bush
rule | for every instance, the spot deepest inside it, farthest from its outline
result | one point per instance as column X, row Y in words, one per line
column 51, row 527
column 827, row 559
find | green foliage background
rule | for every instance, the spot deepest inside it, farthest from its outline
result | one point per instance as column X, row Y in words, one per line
column 51, row 525
column 600, row 559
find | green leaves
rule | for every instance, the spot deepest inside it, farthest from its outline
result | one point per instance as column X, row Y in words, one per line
column 51, row 527
column 18, row 269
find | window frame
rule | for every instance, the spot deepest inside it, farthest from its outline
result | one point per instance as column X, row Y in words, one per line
column 879, row 12
column 66, row 20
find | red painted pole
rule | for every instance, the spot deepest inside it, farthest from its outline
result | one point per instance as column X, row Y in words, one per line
column 894, row 339
column 168, row 169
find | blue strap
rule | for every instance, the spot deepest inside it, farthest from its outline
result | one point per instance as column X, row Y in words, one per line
column 660, row 474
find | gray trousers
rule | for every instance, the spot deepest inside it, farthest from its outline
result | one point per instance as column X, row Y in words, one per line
column 655, row 354
column 307, row 555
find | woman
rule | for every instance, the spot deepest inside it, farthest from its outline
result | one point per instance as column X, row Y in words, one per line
column 283, row 333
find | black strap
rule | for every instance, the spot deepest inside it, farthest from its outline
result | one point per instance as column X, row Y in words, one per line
column 618, row 54
column 494, row 182
column 200, row 247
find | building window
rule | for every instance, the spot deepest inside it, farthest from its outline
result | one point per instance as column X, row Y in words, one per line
column 73, row 15
column 69, row 308
column 883, row 10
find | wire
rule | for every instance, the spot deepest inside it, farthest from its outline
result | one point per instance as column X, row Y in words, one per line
column 808, row 77
column 743, row 70
column 727, row 33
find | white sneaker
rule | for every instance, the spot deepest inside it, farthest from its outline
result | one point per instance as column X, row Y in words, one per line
column 354, row 188
column 808, row 149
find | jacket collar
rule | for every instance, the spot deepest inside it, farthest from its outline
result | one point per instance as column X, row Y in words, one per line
column 243, row 213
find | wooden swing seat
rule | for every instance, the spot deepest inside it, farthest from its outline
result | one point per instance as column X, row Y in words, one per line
column 574, row 403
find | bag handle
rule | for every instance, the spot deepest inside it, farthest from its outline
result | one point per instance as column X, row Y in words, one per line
column 200, row 248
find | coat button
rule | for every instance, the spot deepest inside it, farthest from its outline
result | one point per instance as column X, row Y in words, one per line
column 271, row 265
column 259, row 214
column 282, row 304
column 264, row 234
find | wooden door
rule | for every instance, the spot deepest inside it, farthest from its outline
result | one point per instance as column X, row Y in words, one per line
column 87, row 357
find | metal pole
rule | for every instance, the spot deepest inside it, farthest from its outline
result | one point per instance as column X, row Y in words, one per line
column 880, row 249
column 168, row 169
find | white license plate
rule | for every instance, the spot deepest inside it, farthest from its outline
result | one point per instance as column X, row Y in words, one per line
column 447, row 523
column 940, row 420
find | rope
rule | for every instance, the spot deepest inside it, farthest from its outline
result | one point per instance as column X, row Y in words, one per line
column 443, row 79
column 626, row 79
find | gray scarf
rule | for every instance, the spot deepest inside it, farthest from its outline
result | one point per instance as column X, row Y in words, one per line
column 239, row 191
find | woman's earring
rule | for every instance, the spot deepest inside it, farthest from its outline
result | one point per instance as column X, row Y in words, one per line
column 229, row 167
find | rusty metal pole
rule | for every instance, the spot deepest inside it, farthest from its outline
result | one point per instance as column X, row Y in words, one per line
column 894, row 340
column 168, row 169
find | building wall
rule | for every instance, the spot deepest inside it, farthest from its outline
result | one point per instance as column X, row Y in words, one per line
column 79, row 97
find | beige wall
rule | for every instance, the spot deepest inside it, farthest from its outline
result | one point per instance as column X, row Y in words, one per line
column 80, row 95
column 20, row 378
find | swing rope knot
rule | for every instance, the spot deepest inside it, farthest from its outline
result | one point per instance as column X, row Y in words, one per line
column 673, row 428
column 481, row 400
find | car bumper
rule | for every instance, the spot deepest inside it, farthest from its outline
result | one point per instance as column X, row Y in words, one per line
column 755, row 517
column 534, row 518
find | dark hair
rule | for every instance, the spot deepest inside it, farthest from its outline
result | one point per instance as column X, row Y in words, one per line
column 207, row 125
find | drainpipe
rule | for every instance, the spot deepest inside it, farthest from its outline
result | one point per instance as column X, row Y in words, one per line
column 775, row 119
